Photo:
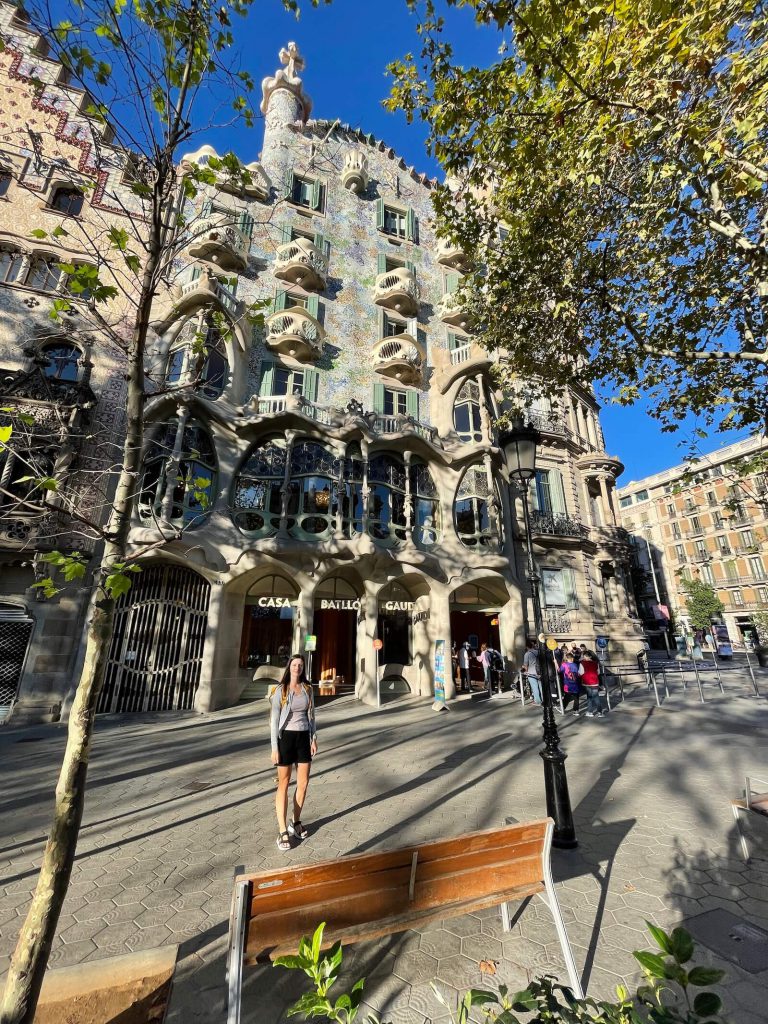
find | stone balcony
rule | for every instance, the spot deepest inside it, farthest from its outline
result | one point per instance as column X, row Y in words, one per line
column 301, row 262
column 399, row 357
column 222, row 243
column 354, row 174
column 184, row 298
column 452, row 312
column 450, row 255
column 294, row 332
column 397, row 290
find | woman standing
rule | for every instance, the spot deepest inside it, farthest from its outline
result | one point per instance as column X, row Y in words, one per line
column 484, row 657
column 294, row 742
column 589, row 673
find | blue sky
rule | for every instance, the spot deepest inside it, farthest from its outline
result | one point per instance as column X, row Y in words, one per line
column 347, row 47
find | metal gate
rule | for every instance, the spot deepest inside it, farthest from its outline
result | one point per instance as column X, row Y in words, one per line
column 15, row 631
column 157, row 643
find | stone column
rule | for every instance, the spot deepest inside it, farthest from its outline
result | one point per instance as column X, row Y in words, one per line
column 366, row 686
column 610, row 516
column 512, row 633
column 290, row 437
column 218, row 650
column 592, row 433
column 440, row 629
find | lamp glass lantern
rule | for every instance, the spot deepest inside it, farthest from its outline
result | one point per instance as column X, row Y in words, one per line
column 519, row 447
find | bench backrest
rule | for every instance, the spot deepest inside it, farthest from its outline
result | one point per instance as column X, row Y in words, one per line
column 371, row 894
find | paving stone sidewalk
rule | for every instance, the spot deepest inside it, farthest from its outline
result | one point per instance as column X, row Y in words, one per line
column 177, row 802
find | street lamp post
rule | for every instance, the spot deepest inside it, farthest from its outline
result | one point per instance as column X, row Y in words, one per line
column 519, row 449
column 656, row 587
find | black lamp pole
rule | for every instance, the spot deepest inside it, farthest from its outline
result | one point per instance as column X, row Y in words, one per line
column 519, row 447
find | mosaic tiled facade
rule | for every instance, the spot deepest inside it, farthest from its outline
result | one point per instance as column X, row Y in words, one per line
column 345, row 447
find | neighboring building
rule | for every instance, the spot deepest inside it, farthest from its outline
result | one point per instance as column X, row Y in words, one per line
column 705, row 519
column 347, row 446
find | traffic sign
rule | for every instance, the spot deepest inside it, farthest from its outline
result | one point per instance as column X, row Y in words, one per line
column 310, row 642
column 378, row 644
column 602, row 642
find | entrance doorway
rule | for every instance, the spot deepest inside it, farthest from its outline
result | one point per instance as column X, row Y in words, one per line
column 267, row 636
column 15, row 631
column 474, row 620
column 337, row 607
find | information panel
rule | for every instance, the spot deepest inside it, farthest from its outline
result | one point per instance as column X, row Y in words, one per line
column 440, row 671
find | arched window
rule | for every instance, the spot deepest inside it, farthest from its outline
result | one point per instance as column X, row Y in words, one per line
column 353, row 507
column 426, row 507
column 257, row 496
column 313, row 490
column 11, row 263
column 198, row 357
column 44, row 273
column 467, row 421
column 191, row 492
column 471, row 510
column 68, row 201
column 386, row 508
column 62, row 362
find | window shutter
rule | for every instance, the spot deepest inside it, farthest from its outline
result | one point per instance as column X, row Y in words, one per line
column 380, row 317
column 322, row 244
column 381, row 263
column 453, row 341
column 245, row 223
column 413, row 327
column 410, row 266
column 451, row 284
column 378, row 398
column 556, row 492
column 380, row 213
column 410, row 225
column 291, row 184
column 194, row 272
column 207, row 208
column 536, row 491
column 267, row 384
column 317, row 195
column 311, row 381
column 313, row 306
column 281, row 301
column 285, row 233
column 412, row 403
column 569, row 586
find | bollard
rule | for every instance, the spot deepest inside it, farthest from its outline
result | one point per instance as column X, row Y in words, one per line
column 752, row 674
column 717, row 671
column 664, row 678
column 698, row 679
column 655, row 690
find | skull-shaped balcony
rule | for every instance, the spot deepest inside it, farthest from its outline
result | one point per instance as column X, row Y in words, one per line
column 399, row 357
column 450, row 256
column 222, row 243
column 294, row 332
column 397, row 289
column 301, row 262
column 452, row 312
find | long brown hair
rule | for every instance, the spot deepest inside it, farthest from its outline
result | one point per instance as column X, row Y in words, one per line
column 287, row 673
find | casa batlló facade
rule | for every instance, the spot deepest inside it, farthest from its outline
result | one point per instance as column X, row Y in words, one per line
column 346, row 444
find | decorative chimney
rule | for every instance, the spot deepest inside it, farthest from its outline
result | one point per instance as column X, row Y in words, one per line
column 283, row 96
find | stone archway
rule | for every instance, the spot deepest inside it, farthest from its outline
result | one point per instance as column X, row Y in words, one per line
column 337, row 613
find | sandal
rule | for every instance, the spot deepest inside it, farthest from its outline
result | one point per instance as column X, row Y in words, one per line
column 298, row 830
column 284, row 841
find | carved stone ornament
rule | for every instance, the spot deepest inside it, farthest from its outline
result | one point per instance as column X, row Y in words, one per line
column 287, row 78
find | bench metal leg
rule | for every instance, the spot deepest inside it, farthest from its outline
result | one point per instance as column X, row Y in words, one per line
column 557, row 917
column 237, row 931
column 742, row 838
column 505, row 925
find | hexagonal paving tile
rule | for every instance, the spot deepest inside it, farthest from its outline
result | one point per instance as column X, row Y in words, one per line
column 481, row 947
column 466, row 925
column 415, row 966
column 440, row 943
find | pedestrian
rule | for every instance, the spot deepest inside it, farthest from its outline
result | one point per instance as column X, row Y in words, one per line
column 589, row 673
column 532, row 669
column 293, row 732
column 464, row 666
column 484, row 657
column 571, row 685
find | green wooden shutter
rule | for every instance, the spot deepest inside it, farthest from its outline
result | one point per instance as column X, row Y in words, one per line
column 194, row 272
column 207, row 208
column 381, row 263
column 380, row 213
column 453, row 341
column 281, row 301
column 311, row 383
column 245, row 223
column 412, row 326
column 450, row 284
column 569, row 586
column 378, row 398
column 291, row 184
column 556, row 492
column 322, row 244
column 380, row 315
column 285, row 233
column 317, row 195
column 313, row 306
column 410, row 266
column 410, row 225
column 412, row 403
column 267, row 384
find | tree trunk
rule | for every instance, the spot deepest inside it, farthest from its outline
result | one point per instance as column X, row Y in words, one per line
column 28, row 964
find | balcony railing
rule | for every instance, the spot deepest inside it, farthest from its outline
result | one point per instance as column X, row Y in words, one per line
column 403, row 424
column 731, row 606
column 400, row 357
column 208, row 286
column 222, row 243
column 555, row 524
column 397, row 289
column 294, row 332
column 547, row 424
column 451, row 311
column 301, row 262
column 450, row 255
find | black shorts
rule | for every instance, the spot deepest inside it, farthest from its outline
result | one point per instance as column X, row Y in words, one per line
column 293, row 748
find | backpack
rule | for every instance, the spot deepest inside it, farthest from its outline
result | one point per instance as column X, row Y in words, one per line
column 497, row 662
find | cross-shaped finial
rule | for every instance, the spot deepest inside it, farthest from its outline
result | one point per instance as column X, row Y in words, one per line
column 293, row 60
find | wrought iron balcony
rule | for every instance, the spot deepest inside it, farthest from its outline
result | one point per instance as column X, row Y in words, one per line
column 294, row 332
column 547, row 424
column 397, row 289
column 555, row 524
column 450, row 255
column 221, row 243
column 400, row 357
column 451, row 311
column 354, row 174
column 301, row 262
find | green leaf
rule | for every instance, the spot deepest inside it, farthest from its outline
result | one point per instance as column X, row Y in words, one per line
column 291, row 962
column 651, row 962
column 705, row 976
column 5, row 435
column 117, row 584
column 660, row 937
column 682, row 945
column 707, row 1004
column 39, row 233
column 47, row 586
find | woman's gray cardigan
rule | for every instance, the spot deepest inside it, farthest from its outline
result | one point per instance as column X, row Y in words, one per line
column 279, row 713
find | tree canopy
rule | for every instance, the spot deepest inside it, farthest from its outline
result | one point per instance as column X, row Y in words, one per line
column 701, row 603
column 607, row 179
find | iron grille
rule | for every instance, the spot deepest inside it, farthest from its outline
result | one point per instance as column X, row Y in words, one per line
column 15, row 632
column 156, row 652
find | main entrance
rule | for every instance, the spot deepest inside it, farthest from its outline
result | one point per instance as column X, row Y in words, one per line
column 337, row 608
column 267, row 636
column 474, row 620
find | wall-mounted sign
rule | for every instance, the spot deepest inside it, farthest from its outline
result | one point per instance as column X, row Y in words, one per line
column 274, row 602
column 439, row 673
column 421, row 617
column 378, row 644
column 310, row 642
column 554, row 590
column 332, row 605
column 398, row 606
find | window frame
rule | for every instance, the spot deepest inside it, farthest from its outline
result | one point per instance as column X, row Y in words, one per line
column 70, row 190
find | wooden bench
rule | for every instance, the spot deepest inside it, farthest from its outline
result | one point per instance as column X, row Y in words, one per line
column 754, row 801
column 368, row 895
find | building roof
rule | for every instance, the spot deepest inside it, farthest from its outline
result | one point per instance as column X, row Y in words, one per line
column 715, row 458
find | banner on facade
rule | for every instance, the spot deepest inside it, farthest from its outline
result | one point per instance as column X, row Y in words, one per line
column 554, row 588
column 439, row 704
